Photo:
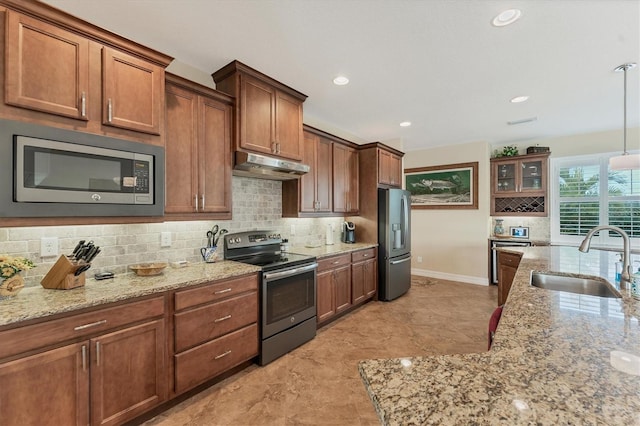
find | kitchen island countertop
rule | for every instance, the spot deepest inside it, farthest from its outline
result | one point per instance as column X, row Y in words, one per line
column 550, row 362
column 38, row 302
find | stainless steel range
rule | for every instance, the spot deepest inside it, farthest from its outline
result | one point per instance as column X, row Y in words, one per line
column 287, row 291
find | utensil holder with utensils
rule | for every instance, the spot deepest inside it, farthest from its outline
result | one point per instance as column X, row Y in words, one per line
column 65, row 274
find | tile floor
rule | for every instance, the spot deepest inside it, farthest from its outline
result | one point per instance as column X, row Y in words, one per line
column 319, row 384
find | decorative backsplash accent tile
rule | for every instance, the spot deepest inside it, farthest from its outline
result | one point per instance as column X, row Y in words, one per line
column 257, row 204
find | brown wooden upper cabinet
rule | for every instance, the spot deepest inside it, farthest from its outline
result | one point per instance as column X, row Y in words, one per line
column 519, row 185
column 389, row 168
column 345, row 179
column 198, row 151
column 269, row 113
column 65, row 72
column 47, row 67
column 133, row 92
column 312, row 194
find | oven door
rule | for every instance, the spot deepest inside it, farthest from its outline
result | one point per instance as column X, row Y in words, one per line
column 288, row 298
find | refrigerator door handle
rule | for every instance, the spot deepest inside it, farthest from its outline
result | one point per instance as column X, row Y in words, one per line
column 395, row 262
column 405, row 220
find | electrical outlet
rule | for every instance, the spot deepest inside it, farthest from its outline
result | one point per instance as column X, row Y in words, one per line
column 165, row 239
column 48, row 246
column 419, row 259
column 293, row 230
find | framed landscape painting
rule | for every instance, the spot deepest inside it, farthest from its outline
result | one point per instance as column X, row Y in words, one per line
column 452, row 186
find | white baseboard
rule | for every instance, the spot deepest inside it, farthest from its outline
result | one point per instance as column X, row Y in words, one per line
column 450, row 277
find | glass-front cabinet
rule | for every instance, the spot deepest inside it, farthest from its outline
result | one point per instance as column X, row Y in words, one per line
column 519, row 185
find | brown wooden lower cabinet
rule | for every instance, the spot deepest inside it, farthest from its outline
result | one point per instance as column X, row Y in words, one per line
column 215, row 329
column 105, row 380
column 48, row 388
column 344, row 281
column 507, row 267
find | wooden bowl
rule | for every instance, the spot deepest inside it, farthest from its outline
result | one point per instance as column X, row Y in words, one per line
column 148, row 269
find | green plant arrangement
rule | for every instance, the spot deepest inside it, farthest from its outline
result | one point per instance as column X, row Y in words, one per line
column 507, row 151
column 10, row 266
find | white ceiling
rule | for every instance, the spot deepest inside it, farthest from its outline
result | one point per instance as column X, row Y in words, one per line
column 437, row 63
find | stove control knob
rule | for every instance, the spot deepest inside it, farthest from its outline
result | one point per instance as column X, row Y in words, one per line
column 237, row 240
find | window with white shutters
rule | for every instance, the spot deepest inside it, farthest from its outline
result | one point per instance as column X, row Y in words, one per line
column 585, row 194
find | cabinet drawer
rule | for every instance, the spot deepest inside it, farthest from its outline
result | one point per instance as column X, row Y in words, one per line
column 51, row 332
column 198, row 325
column 334, row 262
column 361, row 255
column 508, row 259
column 215, row 291
column 210, row 359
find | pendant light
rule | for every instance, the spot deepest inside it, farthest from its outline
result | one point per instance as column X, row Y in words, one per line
column 625, row 161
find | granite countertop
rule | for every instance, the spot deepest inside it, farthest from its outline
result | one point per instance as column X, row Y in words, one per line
column 331, row 250
column 550, row 362
column 38, row 302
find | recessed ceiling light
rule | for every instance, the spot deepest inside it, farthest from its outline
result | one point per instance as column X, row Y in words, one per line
column 506, row 17
column 519, row 99
column 405, row 124
column 340, row 80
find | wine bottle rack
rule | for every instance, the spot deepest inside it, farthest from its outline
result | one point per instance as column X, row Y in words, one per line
column 534, row 206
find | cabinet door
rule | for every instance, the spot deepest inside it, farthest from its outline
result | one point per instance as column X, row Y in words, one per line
column 506, row 177
column 324, row 178
column 532, row 175
column 48, row 388
column 384, row 167
column 370, row 278
column 257, row 116
column 181, row 148
column 342, row 279
column 353, row 200
column 133, row 92
column 47, row 67
column 395, row 170
column 340, row 178
column 214, row 153
column 357, row 282
column 288, row 126
column 127, row 373
column 308, row 183
column 325, row 296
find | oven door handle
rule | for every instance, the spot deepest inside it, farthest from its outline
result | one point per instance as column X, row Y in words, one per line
column 269, row 276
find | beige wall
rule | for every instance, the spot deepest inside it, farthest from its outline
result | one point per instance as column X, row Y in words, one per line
column 452, row 243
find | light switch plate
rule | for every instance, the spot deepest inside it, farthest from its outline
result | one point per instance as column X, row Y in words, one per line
column 48, row 246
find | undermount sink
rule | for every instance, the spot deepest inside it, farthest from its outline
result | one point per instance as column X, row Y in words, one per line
column 589, row 286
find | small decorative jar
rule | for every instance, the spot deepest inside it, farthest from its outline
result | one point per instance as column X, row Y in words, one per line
column 11, row 280
column 498, row 229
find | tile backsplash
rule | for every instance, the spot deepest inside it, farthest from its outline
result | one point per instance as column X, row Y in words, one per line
column 257, row 204
column 539, row 227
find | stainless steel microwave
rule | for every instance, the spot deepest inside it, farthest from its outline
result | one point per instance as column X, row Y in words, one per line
column 58, row 172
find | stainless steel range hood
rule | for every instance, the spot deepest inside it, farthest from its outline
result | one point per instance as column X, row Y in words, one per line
column 263, row 167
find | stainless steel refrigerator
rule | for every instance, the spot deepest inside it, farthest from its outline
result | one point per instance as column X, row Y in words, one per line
column 394, row 239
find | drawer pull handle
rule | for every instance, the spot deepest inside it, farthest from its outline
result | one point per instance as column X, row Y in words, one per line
column 223, row 355
column 336, row 262
column 223, row 318
column 226, row 290
column 365, row 255
column 93, row 324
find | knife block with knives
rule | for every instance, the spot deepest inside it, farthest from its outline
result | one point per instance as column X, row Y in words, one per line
column 69, row 271
column 62, row 275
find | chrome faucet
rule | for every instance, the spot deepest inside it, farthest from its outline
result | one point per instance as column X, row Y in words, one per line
column 626, row 266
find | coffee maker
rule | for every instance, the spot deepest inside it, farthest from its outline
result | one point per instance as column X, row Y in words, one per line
column 349, row 232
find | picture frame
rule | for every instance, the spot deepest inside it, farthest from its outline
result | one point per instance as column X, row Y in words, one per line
column 451, row 186
column 519, row 231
